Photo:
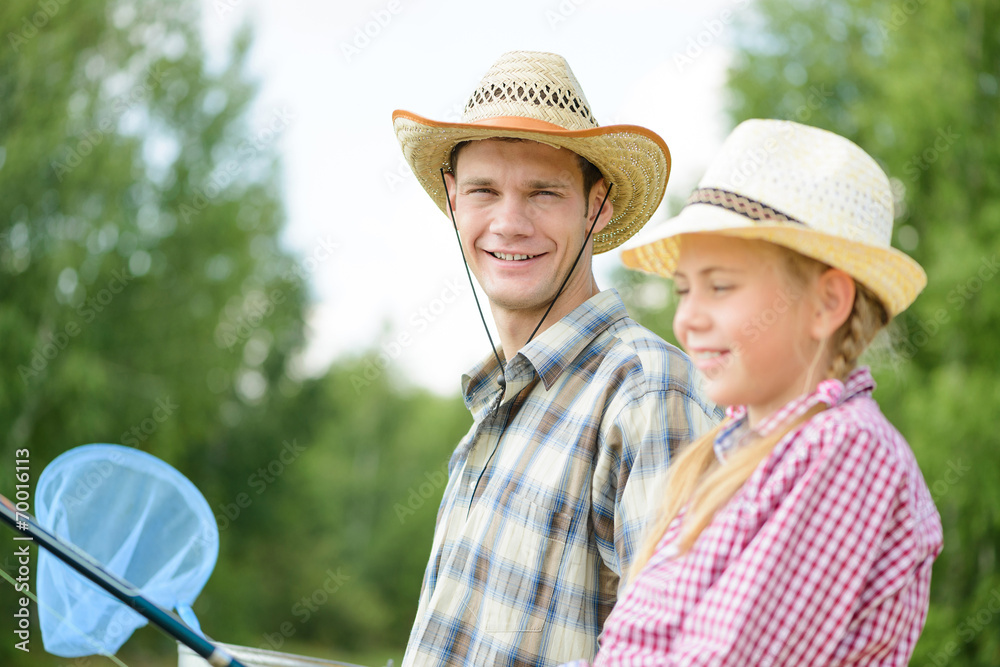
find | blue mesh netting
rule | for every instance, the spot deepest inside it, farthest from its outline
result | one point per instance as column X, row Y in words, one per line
column 141, row 519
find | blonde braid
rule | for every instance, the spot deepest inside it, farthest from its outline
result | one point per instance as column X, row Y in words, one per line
column 867, row 317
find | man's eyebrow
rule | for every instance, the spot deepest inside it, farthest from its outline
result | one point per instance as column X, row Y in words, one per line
column 476, row 180
column 531, row 185
column 548, row 185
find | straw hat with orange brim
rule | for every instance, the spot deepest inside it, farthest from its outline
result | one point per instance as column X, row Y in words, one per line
column 535, row 96
column 797, row 186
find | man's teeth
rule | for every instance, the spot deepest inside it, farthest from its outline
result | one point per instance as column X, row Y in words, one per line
column 512, row 258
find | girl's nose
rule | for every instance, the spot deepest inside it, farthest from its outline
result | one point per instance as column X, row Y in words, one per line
column 689, row 316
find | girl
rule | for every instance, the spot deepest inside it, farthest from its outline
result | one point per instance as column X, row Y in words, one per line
column 800, row 531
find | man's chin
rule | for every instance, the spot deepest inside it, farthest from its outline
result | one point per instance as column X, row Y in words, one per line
column 521, row 304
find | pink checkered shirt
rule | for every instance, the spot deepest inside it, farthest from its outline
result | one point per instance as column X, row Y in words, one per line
column 822, row 558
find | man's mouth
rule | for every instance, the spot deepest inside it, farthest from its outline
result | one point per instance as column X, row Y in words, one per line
column 512, row 258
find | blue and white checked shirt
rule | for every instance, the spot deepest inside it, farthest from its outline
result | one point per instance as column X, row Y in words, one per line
column 549, row 491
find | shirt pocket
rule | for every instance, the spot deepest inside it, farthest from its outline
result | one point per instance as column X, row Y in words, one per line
column 527, row 562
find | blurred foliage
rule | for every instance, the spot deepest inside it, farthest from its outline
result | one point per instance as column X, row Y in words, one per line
column 145, row 300
column 916, row 85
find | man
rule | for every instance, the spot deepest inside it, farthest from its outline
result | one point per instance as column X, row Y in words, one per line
column 578, row 413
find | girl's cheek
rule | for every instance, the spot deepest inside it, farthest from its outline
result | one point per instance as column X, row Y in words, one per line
column 679, row 331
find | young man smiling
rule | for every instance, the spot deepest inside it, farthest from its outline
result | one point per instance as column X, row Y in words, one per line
column 523, row 217
column 577, row 415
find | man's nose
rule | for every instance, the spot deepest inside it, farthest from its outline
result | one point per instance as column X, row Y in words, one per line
column 511, row 218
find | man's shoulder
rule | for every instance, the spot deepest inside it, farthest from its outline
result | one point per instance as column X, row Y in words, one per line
column 643, row 358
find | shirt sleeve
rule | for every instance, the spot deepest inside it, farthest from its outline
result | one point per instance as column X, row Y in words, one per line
column 837, row 570
column 636, row 449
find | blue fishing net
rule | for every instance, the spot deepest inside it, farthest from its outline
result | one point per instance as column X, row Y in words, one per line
column 137, row 516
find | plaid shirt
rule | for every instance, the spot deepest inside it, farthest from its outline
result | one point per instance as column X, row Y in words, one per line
column 823, row 557
column 549, row 491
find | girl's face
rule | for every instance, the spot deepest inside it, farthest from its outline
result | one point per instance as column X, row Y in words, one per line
column 744, row 319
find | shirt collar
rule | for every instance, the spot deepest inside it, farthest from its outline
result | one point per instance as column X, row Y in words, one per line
column 547, row 355
column 831, row 392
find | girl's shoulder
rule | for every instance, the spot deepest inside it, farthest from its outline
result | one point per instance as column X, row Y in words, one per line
column 854, row 424
column 855, row 436
column 858, row 416
column 855, row 439
column 854, row 446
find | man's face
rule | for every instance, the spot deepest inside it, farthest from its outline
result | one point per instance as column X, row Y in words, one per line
column 521, row 213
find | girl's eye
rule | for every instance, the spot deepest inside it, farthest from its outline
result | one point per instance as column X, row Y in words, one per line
column 721, row 288
column 681, row 291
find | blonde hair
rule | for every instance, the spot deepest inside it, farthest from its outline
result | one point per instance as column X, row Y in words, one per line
column 697, row 483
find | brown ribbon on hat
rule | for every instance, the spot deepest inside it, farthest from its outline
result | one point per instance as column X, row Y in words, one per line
column 745, row 206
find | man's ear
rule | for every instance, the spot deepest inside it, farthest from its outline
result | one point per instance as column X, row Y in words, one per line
column 835, row 290
column 596, row 197
column 452, row 184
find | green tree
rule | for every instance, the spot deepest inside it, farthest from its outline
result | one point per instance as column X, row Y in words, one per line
column 347, row 527
column 139, row 261
column 144, row 300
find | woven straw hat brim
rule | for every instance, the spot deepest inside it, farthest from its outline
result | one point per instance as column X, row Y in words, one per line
column 634, row 159
column 890, row 274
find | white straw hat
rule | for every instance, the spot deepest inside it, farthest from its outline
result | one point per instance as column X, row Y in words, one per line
column 800, row 187
column 530, row 95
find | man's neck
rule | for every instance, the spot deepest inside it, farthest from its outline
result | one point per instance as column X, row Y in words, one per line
column 516, row 326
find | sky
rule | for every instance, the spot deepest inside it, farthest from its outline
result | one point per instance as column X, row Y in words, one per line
column 382, row 260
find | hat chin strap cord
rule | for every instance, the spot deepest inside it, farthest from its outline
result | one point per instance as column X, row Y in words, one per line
column 468, row 273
